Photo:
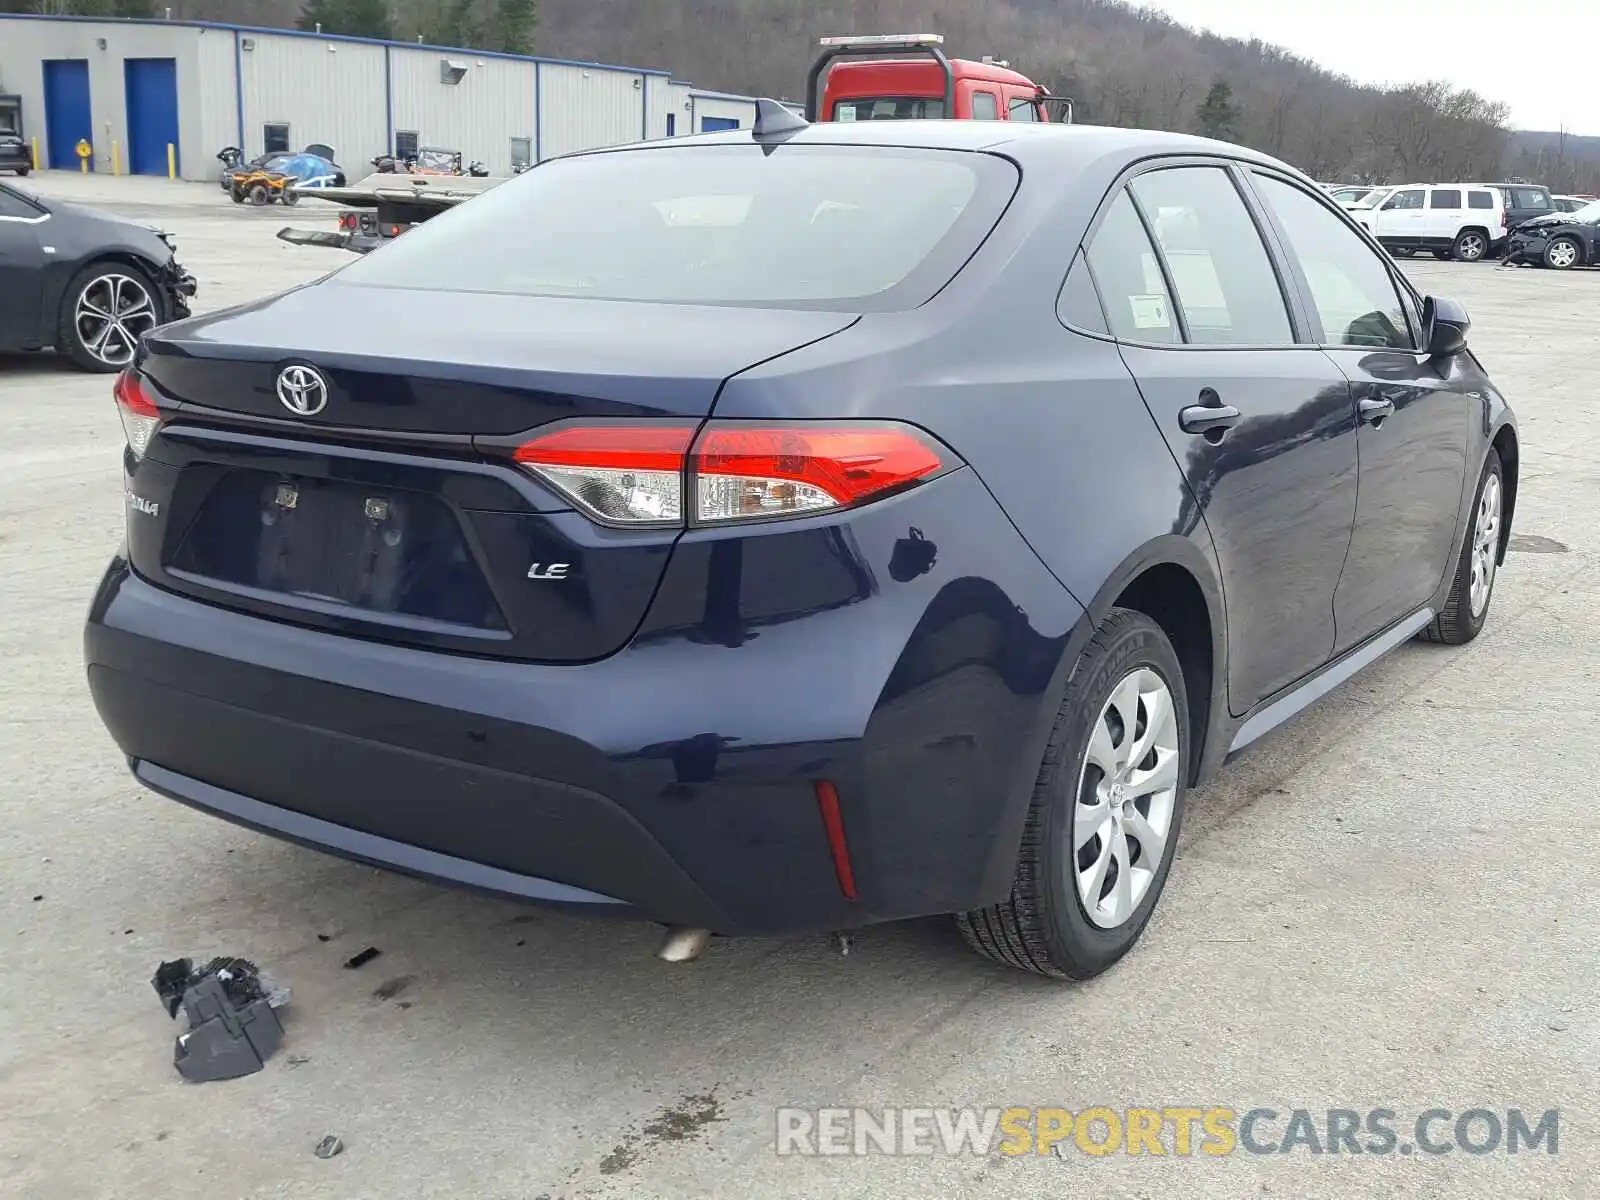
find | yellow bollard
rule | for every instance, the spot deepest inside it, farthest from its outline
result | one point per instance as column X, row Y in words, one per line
column 116, row 159
column 172, row 161
column 84, row 153
column 35, row 154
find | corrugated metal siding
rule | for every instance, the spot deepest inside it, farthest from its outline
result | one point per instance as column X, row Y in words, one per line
column 493, row 103
column 587, row 107
column 326, row 91
column 666, row 98
column 25, row 44
column 218, row 102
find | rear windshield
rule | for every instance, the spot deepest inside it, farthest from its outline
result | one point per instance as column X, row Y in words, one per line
column 888, row 108
column 1529, row 198
column 834, row 227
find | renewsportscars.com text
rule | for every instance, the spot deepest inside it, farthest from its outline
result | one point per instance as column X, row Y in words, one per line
column 1171, row 1130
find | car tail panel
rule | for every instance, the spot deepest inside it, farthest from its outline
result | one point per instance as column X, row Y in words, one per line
column 381, row 497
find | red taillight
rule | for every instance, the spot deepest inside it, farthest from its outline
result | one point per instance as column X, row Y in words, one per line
column 762, row 470
column 635, row 474
column 349, row 221
column 622, row 474
column 140, row 416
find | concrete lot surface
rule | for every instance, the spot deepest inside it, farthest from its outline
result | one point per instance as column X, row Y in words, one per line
column 1390, row 903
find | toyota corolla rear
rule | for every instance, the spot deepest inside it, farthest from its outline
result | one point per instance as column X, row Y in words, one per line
column 522, row 553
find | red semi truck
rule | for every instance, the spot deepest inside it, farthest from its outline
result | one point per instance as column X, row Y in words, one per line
column 900, row 77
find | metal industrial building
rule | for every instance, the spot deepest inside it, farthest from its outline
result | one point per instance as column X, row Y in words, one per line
column 131, row 88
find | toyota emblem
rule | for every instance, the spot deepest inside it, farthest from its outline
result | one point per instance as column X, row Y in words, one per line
column 302, row 390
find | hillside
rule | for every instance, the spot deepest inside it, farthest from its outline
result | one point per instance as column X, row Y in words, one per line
column 1121, row 65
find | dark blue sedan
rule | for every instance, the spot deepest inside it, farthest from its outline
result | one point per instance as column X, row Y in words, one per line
column 800, row 528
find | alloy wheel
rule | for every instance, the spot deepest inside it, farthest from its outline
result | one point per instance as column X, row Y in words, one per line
column 113, row 311
column 1485, row 545
column 1563, row 254
column 1471, row 247
column 1127, row 791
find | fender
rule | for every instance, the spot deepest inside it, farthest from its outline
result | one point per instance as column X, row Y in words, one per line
column 1192, row 553
column 1498, row 422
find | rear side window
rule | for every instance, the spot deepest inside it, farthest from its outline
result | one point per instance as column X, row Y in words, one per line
column 1079, row 306
column 1138, row 306
column 985, row 107
column 1480, row 199
column 833, row 227
column 1444, row 198
column 1530, row 198
column 1227, row 289
column 14, row 205
column 1351, row 289
column 888, row 108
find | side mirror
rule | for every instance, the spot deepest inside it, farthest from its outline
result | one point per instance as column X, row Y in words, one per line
column 1446, row 324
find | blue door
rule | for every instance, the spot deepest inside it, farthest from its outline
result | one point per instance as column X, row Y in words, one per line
column 714, row 124
column 67, row 116
column 152, row 85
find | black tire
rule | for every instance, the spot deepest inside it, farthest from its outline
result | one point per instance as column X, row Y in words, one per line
column 1042, row 926
column 69, row 340
column 1556, row 260
column 236, row 195
column 22, row 172
column 1471, row 245
column 1457, row 624
column 1402, row 251
column 290, row 196
column 258, row 194
column 1442, row 255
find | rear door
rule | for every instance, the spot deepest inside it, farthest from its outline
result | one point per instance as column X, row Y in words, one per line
column 1444, row 217
column 1261, row 426
column 21, row 270
column 1415, row 414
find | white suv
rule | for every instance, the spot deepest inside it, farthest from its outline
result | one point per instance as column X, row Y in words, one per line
column 1455, row 220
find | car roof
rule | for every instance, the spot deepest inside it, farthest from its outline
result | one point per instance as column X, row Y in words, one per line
column 1029, row 143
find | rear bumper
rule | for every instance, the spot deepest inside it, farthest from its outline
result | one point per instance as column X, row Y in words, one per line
column 675, row 780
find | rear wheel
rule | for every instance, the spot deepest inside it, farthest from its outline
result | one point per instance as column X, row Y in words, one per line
column 1402, row 252
column 290, row 196
column 1105, row 815
column 1470, row 245
column 258, row 194
column 1562, row 254
column 1468, row 603
column 106, row 309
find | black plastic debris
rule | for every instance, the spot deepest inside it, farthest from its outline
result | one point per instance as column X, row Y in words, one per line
column 328, row 1146
column 361, row 958
column 230, row 1007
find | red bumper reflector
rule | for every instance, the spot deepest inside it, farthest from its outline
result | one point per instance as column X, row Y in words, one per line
column 833, row 822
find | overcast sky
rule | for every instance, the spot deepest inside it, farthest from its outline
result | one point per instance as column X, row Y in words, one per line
column 1480, row 44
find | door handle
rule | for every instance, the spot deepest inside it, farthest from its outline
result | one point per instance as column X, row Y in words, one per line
column 1374, row 411
column 1208, row 419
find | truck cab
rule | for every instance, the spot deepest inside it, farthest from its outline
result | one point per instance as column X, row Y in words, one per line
column 909, row 77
